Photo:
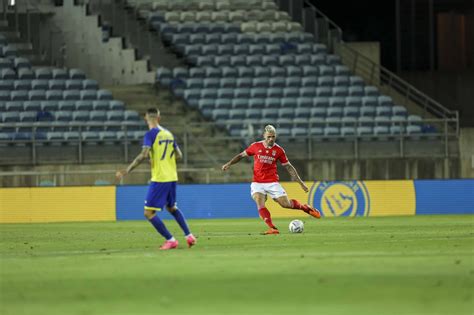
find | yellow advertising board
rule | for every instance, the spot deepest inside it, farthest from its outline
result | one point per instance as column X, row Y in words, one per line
column 57, row 204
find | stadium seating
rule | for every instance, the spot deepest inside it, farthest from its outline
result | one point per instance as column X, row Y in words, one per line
column 55, row 106
column 248, row 61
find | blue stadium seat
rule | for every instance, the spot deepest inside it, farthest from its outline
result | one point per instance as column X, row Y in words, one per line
column 43, row 73
column 211, row 83
column 63, row 115
column 382, row 121
column 209, row 93
column 241, row 103
column 307, row 92
column 90, row 85
column 321, row 101
column 399, row 111
column 60, row 74
column 324, row 91
column 53, row 95
column 224, row 103
column 80, row 115
column 351, row 111
column 369, row 101
column 23, row 85
column 304, row 102
column 291, row 92
column 318, row 112
column 367, row 111
column 356, row 91
column 225, row 93
column 21, row 62
column 26, row 74
column 33, row 106
column 356, row 81
column 131, row 115
column 39, row 84
column 348, row 131
column 57, row 84
column 371, row 91
column 104, row 95
column 340, row 91
column 65, row 105
column 197, row 73
column 7, row 74
column 22, row 95
column 244, row 83
column 98, row 115
column 99, row 105
column 383, row 110
column 74, row 84
column 272, row 102
column 6, row 85
column 116, row 105
column 269, row 113
column 10, row 117
column 77, row 74
column 385, row 101
column 13, row 106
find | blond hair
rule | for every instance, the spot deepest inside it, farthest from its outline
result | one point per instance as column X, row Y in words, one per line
column 270, row 129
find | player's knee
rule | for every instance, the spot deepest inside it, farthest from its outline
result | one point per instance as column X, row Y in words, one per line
column 149, row 214
column 171, row 209
column 285, row 204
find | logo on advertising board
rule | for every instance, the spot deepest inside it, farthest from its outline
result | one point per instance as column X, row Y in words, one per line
column 340, row 198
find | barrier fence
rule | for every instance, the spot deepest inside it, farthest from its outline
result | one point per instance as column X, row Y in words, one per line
column 333, row 198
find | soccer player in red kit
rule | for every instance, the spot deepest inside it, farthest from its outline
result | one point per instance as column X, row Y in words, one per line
column 266, row 153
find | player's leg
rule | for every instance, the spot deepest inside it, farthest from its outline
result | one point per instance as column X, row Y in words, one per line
column 278, row 193
column 295, row 204
column 154, row 202
column 178, row 215
column 259, row 196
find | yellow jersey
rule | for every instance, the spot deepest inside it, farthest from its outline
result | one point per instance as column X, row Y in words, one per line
column 162, row 154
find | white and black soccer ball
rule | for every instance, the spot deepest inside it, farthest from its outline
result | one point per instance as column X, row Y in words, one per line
column 296, row 226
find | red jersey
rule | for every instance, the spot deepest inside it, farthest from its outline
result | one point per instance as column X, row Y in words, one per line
column 265, row 161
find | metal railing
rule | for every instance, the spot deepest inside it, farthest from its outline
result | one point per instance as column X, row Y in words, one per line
column 329, row 33
column 35, row 137
column 96, row 177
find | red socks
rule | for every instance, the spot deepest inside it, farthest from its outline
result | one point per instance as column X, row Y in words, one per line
column 298, row 205
column 265, row 215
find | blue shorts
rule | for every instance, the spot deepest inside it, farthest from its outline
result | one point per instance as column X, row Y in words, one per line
column 160, row 195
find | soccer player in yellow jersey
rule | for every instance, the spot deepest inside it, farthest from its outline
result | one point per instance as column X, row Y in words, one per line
column 160, row 146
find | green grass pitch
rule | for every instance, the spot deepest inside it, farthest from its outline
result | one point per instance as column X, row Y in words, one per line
column 391, row 265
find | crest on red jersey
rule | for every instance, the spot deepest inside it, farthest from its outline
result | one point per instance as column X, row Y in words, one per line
column 274, row 152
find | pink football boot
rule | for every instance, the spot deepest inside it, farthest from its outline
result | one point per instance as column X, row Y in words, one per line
column 169, row 245
column 191, row 240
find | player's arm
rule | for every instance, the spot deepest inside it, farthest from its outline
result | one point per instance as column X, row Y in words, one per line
column 178, row 153
column 137, row 161
column 234, row 160
column 294, row 176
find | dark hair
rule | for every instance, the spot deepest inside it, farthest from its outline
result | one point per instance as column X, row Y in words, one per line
column 153, row 111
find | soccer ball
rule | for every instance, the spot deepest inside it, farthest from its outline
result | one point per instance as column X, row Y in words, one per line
column 296, row 226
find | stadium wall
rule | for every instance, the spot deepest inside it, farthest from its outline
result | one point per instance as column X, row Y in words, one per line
column 333, row 198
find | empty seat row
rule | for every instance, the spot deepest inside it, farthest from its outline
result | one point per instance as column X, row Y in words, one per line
column 64, row 126
column 343, row 83
column 247, row 38
column 383, row 114
column 207, row 17
column 250, row 72
column 237, row 16
column 160, row 5
column 252, row 49
column 57, row 136
column 8, row 51
column 80, row 115
column 167, row 30
column 382, row 105
column 43, row 95
column 336, row 132
column 43, row 74
column 264, row 60
column 51, row 106
column 249, row 93
column 263, row 27
column 353, row 104
column 57, row 84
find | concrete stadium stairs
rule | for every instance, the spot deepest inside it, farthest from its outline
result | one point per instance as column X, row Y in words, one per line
column 205, row 146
